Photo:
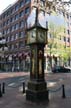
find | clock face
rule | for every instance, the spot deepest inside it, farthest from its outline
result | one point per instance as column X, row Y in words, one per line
column 42, row 36
column 31, row 38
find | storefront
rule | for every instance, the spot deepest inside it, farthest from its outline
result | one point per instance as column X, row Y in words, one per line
column 17, row 62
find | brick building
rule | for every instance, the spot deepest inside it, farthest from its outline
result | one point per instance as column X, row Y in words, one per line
column 13, row 28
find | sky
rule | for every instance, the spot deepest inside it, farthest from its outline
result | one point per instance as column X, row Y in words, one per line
column 5, row 3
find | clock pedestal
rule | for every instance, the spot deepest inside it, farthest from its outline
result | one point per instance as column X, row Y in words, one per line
column 37, row 87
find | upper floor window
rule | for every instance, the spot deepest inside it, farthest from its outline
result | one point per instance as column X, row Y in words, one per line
column 21, row 13
column 8, row 30
column 22, row 3
column 8, row 39
column 12, row 46
column 12, row 19
column 27, row 1
column 8, row 21
column 64, row 39
column 68, row 31
column 12, row 38
column 16, row 36
column 21, row 34
column 21, row 44
column 27, row 10
column 12, row 10
column 16, row 26
column 42, row 2
column 68, row 39
column 16, row 7
column 3, row 23
column 8, row 13
column 16, row 45
column 16, row 17
column 12, row 28
column 21, row 24
column 4, row 15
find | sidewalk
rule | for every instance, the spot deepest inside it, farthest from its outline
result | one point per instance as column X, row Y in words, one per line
column 12, row 74
column 14, row 98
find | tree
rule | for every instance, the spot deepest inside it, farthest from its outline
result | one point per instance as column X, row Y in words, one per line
column 55, row 45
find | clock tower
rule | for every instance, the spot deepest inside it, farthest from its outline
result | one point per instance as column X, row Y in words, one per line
column 36, row 39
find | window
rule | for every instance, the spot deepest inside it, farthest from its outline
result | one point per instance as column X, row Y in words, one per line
column 16, row 26
column 16, row 45
column 68, row 31
column 68, row 39
column 21, row 44
column 8, row 30
column 12, row 19
column 27, row 10
column 22, row 3
column 8, row 21
column 16, row 17
column 64, row 39
column 16, row 36
column 27, row 1
column 16, row 7
column 12, row 10
column 12, row 46
column 21, row 13
column 21, row 34
column 8, row 13
column 8, row 39
column 42, row 2
column 5, row 32
column 12, row 38
column 4, row 15
column 12, row 28
column 21, row 24
column 3, row 23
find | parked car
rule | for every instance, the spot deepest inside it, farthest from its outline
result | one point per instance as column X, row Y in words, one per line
column 60, row 69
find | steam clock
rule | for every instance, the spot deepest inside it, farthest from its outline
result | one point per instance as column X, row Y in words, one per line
column 36, row 39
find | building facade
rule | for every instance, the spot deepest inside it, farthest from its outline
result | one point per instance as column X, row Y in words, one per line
column 68, row 36
column 13, row 28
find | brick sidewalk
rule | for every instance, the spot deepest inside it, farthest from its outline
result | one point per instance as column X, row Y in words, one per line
column 13, row 98
column 12, row 74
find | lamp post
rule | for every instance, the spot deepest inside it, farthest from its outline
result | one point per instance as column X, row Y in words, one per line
column 37, row 39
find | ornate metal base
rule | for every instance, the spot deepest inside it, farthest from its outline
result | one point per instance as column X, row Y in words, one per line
column 37, row 92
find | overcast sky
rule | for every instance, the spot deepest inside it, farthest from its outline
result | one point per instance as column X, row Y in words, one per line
column 5, row 3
